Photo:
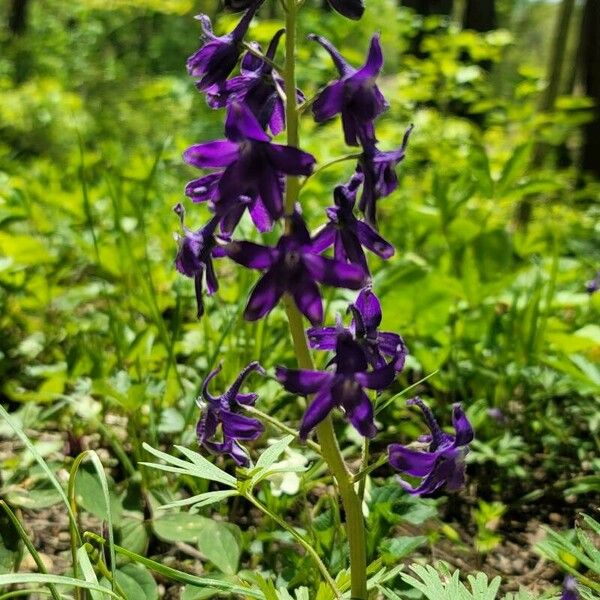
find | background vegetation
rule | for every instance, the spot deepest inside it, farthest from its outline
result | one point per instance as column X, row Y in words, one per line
column 496, row 229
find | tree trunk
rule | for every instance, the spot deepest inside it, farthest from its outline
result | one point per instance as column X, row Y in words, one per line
column 590, row 54
column 17, row 18
column 480, row 15
column 549, row 95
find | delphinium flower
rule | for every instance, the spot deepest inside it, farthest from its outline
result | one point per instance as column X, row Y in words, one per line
column 569, row 591
column 195, row 254
column 379, row 172
column 442, row 463
column 217, row 57
column 292, row 267
column 355, row 95
column 222, row 412
column 343, row 388
column 346, row 233
column 364, row 328
column 258, row 87
column 593, row 285
column 253, row 171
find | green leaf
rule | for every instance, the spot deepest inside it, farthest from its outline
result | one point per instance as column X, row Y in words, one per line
column 10, row 545
column 89, row 494
column 88, row 572
column 133, row 534
column 45, row 578
column 398, row 548
column 221, row 546
column 273, row 452
column 215, row 540
column 202, row 500
column 136, row 582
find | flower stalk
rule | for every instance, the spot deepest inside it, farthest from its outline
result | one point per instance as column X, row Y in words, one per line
column 355, row 528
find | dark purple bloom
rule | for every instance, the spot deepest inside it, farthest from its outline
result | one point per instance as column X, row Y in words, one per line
column 252, row 175
column 366, row 318
column 354, row 95
column 351, row 9
column 343, row 388
column 293, row 267
column 442, row 464
column 380, row 179
column 569, row 591
column 194, row 258
column 258, row 87
column 593, row 285
column 223, row 411
column 348, row 234
column 217, row 57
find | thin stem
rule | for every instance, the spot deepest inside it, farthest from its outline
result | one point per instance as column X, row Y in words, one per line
column 291, row 108
column 260, row 55
column 330, row 163
column 279, row 425
column 330, row 451
column 370, row 468
column 306, row 545
column 365, row 462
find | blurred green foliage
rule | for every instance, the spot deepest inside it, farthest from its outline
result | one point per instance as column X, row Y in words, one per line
column 96, row 325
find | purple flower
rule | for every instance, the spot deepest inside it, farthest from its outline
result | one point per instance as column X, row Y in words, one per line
column 343, row 388
column 442, row 464
column 366, row 319
column 222, row 410
column 195, row 254
column 252, row 175
column 593, row 285
column 257, row 87
column 354, row 95
column 217, row 57
column 348, row 234
column 352, row 9
column 292, row 267
column 380, row 179
column 569, row 591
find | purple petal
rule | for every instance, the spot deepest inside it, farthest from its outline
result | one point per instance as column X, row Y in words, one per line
column 374, row 61
column 220, row 153
column 329, row 102
column 290, row 160
column 264, row 296
column 240, row 427
column 277, row 120
column 308, row 299
column 412, row 462
column 260, row 216
column 351, row 9
column 322, row 338
column 335, row 273
column 271, row 192
column 239, row 455
column 359, row 410
column 302, row 381
column 242, row 125
column 371, row 240
column 212, row 284
column 318, row 410
column 349, row 355
column 340, row 62
column 204, row 188
column 378, row 379
column 324, row 238
column 464, row 429
column 249, row 254
column 370, row 309
column 246, row 399
column 207, row 426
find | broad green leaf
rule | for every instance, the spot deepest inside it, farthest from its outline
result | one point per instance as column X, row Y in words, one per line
column 136, row 582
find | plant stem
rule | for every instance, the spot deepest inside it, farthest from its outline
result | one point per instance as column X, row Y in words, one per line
column 306, row 545
column 330, row 451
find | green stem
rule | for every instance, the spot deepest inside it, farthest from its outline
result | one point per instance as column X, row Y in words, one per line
column 355, row 527
column 364, row 464
column 32, row 550
column 263, row 416
column 306, row 545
